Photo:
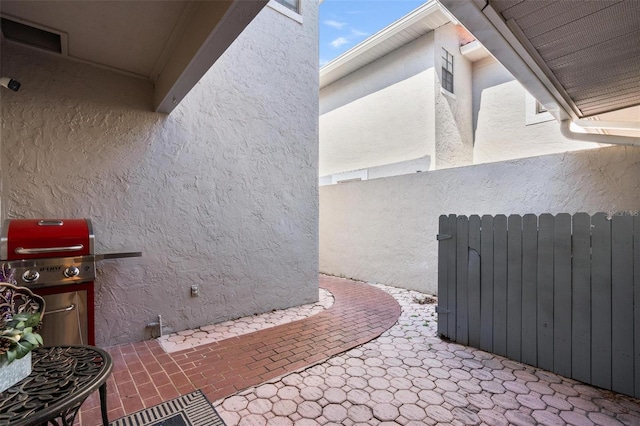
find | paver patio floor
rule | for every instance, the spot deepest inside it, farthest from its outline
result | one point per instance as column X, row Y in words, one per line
column 407, row 375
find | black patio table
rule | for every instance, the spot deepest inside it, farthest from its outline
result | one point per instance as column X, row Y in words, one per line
column 61, row 379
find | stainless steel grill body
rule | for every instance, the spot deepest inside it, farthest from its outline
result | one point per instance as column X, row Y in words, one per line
column 55, row 259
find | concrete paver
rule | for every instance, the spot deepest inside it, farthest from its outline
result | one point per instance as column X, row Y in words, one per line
column 188, row 339
column 317, row 365
column 410, row 376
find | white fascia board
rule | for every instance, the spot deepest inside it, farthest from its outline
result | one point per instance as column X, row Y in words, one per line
column 505, row 47
column 431, row 7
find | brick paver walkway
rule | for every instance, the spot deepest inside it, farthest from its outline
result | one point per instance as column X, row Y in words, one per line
column 145, row 375
column 345, row 375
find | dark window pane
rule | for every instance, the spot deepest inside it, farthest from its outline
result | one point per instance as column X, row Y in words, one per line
column 447, row 70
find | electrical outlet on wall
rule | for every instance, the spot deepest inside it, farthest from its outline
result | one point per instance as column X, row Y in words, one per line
column 195, row 291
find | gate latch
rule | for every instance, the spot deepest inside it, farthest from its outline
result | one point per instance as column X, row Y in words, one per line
column 441, row 237
column 440, row 310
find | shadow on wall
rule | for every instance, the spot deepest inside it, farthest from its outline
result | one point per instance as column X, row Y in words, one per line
column 410, row 60
column 487, row 73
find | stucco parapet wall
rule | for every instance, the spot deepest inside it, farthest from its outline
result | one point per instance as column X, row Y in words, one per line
column 393, row 169
column 384, row 230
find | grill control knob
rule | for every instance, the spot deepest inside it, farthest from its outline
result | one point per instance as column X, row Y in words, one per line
column 30, row 276
column 71, row 272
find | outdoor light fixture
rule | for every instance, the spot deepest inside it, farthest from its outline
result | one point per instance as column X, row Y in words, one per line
column 10, row 83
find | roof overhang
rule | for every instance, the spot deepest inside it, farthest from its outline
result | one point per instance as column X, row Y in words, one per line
column 172, row 44
column 419, row 22
column 214, row 26
column 562, row 53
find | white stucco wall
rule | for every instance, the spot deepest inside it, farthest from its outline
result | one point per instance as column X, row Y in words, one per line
column 380, row 114
column 501, row 130
column 222, row 193
column 453, row 114
column 384, row 230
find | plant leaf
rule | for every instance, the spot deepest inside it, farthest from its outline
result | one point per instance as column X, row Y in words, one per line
column 10, row 338
column 23, row 348
column 31, row 338
column 21, row 316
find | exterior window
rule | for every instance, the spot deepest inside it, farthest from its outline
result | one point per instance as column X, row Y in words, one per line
column 290, row 4
column 540, row 108
column 447, row 71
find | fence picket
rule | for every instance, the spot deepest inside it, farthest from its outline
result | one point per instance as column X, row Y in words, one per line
column 562, row 294
column 443, row 246
column 636, row 304
column 529, row 289
column 451, row 278
column 601, row 301
column 486, row 284
column 581, row 298
column 622, row 300
column 500, row 285
column 462, row 286
column 545, row 292
column 514, row 287
column 474, row 280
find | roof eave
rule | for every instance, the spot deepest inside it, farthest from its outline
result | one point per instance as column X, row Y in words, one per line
column 505, row 47
column 487, row 27
column 336, row 69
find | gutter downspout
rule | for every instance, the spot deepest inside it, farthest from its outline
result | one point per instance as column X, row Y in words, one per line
column 565, row 129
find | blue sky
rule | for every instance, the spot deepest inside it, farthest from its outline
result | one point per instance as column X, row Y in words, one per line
column 345, row 23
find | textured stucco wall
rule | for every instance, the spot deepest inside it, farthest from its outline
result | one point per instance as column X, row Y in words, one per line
column 381, row 113
column 501, row 131
column 384, row 230
column 453, row 114
column 221, row 193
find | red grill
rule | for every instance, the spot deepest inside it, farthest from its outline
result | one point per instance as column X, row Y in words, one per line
column 55, row 258
column 38, row 238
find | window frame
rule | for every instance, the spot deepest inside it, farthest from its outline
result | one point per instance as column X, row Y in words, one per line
column 285, row 10
column 286, row 4
column 540, row 109
column 447, row 79
column 533, row 115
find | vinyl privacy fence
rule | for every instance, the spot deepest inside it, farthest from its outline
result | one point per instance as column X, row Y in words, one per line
column 558, row 292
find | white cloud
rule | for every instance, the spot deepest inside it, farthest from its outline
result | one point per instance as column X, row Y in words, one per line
column 357, row 33
column 339, row 42
column 335, row 24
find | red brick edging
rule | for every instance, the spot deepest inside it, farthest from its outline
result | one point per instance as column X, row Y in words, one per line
column 144, row 375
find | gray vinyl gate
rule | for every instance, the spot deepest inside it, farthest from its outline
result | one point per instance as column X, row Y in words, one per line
column 558, row 292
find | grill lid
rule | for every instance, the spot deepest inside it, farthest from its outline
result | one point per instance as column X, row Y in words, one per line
column 42, row 238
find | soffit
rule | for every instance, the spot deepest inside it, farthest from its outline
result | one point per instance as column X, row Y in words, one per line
column 127, row 36
column 171, row 43
column 421, row 21
column 589, row 50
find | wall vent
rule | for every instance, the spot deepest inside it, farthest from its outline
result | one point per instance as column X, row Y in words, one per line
column 31, row 36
